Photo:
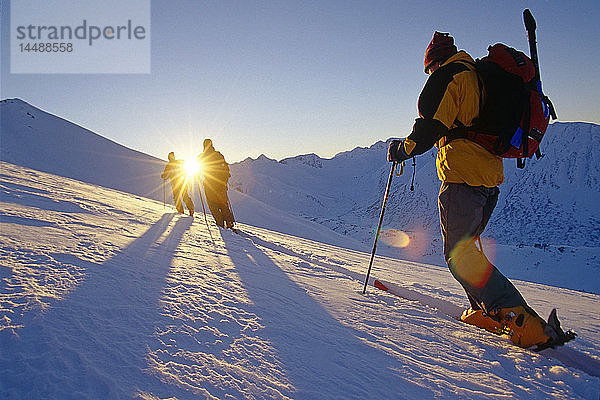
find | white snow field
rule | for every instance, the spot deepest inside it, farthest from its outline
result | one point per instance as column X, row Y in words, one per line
column 107, row 295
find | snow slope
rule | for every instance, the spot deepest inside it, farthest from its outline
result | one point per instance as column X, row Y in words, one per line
column 42, row 141
column 36, row 139
column 108, row 295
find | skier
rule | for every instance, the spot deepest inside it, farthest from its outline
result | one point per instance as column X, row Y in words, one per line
column 469, row 191
column 175, row 172
column 216, row 175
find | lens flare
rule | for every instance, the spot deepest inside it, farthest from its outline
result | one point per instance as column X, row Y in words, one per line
column 469, row 264
column 395, row 238
column 191, row 167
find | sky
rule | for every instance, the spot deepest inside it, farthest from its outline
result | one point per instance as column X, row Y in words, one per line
column 284, row 78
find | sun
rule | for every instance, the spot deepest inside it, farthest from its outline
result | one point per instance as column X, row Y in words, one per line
column 191, row 167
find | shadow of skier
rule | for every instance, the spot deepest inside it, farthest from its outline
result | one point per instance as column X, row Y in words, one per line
column 313, row 347
column 93, row 344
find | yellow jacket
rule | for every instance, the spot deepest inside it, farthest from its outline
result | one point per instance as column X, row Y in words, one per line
column 452, row 94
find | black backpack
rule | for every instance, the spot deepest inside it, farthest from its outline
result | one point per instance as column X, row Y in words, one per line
column 514, row 114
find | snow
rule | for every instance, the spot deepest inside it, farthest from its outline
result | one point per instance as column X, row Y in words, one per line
column 108, row 294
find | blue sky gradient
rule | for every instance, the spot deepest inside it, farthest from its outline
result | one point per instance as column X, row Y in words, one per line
column 283, row 78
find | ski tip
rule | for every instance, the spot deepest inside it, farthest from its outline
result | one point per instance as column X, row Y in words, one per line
column 380, row 285
column 529, row 20
column 567, row 337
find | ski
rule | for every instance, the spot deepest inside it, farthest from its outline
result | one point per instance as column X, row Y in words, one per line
column 530, row 27
column 568, row 356
column 442, row 306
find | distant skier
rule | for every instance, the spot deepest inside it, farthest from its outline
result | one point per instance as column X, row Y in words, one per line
column 175, row 171
column 216, row 176
column 470, row 178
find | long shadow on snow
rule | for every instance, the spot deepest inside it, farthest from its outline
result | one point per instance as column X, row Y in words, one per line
column 323, row 358
column 566, row 354
column 94, row 343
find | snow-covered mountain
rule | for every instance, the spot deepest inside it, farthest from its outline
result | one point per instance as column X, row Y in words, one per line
column 343, row 193
column 36, row 139
column 551, row 204
column 545, row 223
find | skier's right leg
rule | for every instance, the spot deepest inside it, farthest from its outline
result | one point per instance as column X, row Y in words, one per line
column 214, row 207
column 462, row 215
column 464, row 211
column 227, row 213
column 188, row 203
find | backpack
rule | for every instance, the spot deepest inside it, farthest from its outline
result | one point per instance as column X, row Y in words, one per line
column 217, row 167
column 514, row 114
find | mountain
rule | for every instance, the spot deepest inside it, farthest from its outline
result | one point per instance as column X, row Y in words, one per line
column 554, row 201
column 42, row 141
column 345, row 193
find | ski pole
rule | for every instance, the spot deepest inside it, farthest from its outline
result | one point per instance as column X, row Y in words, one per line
column 385, row 198
column 164, row 194
column 203, row 209
column 229, row 205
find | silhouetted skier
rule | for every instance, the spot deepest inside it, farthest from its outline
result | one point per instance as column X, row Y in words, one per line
column 216, row 175
column 176, row 173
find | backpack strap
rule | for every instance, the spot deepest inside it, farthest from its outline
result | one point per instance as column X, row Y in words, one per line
column 526, row 134
column 461, row 131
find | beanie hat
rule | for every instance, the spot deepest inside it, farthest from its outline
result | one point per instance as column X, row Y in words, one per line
column 207, row 143
column 171, row 156
column 440, row 48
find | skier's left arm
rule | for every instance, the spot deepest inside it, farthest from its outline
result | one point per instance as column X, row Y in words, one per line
column 426, row 132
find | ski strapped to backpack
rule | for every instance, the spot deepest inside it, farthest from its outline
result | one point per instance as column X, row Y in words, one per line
column 515, row 113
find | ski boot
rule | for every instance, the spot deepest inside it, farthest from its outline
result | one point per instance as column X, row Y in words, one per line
column 523, row 326
column 482, row 320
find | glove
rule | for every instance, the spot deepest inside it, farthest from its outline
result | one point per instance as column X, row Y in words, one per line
column 396, row 151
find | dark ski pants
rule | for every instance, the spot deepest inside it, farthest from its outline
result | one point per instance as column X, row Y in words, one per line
column 180, row 192
column 218, row 204
column 464, row 213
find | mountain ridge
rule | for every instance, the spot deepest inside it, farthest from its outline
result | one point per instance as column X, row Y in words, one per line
column 556, row 190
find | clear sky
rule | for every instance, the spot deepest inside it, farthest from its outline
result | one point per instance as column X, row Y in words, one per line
column 283, row 78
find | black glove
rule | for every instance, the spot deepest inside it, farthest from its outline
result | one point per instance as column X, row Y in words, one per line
column 396, row 151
